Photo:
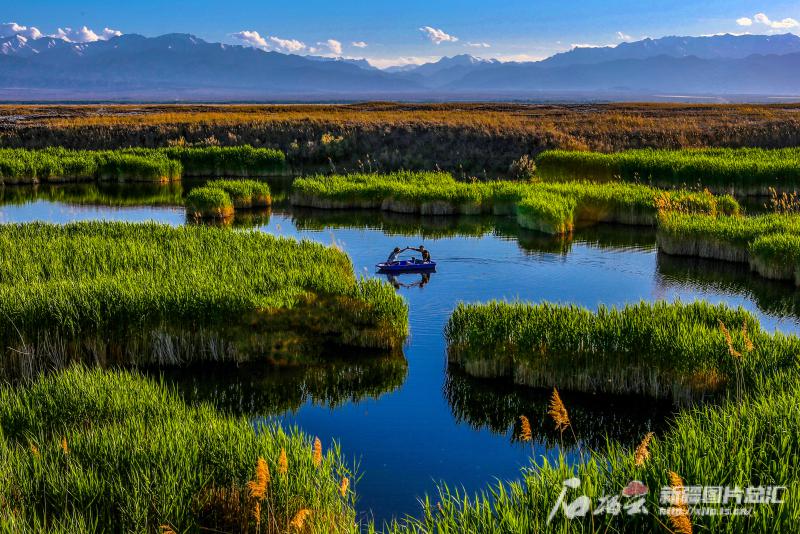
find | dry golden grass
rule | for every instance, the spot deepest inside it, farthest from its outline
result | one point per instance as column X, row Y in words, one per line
column 466, row 137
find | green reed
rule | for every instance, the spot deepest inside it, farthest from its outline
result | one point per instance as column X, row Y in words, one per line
column 661, row 349
column 748, row 438
column 740, row 169
column 100, row 278
column 551, row 208
column 21, row 166
column 83, row 450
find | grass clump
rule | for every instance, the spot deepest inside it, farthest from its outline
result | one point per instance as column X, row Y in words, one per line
column 21, row 166
column 227, row 161
column 220, row 198
column 740, row 170
column 209, row 202
column 148, row 291
column 768, row 243
column 82, row 450
column 662, row 350
column 754, row 442
column 749, row 438
column 551, row 208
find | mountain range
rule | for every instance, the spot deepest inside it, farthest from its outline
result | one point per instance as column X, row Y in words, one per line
column 184, row 67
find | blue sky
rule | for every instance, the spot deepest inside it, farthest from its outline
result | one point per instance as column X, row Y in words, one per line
column 411, row 30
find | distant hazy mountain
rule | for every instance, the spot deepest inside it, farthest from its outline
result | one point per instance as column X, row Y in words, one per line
column 709, row 47
column 184, row 67
column 756, row 75
column 179, row 64
column 442, row 72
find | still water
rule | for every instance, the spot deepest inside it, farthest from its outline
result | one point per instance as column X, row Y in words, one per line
column 410, row 424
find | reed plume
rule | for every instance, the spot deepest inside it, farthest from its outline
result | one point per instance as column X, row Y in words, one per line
column 283, row 463
column 642, row 451
column 558, row 412
column 317, row 456
column 299, row 519
column 343, row 486
column 729, row 340
column 681, row 523
column 679, row 511
column 258, row 486
column 526, row 434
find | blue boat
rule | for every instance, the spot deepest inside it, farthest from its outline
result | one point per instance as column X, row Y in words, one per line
column 407, row 266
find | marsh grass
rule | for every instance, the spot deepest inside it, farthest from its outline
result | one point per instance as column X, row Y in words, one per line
column 752, row 441
column 21, row 166
column 741, row 171
column 549, row 208
column 143, row 460
column 662, row 350
column 106, row 289
column 769, row 243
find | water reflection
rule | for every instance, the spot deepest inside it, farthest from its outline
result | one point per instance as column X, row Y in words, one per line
column 265, row 390
column 778, row 298
column 498, row 404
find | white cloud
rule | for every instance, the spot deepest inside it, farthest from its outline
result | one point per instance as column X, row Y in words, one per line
column 7, row 29
column 81, row 35
column 438, row 36
column 334, row 46
column 479, row 45
column 268, row 42
column 252, row 38
column 359, row 44
column 287, row 45
column 744, row 21
column 85, row 35
column 623, row 36
column 762, row 18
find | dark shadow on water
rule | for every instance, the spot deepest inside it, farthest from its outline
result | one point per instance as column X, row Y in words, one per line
column 778, row 298
column 259, row 390
column 497, row 405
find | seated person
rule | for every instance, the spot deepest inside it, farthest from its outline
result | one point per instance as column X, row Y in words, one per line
column 395, row 253
column 426, row 256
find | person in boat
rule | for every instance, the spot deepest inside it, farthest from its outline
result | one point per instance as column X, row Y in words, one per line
column 426, row 256
column 395, row 253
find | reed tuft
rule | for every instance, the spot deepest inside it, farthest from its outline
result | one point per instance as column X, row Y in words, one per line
column 558, row 412
column 317, row 452
column 643, row 451
column 299, row 519
column 283, row 463
column 258, row 487
column 526, row 434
